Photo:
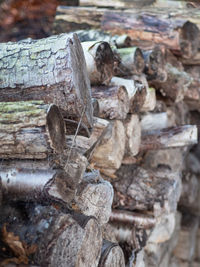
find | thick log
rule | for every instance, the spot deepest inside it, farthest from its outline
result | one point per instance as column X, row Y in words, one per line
column 94, row 197
column 140, row 189
column 179, row 35
column 176, row 85
column 56, row 238
column 172, row 137
column 51, row 69
column 99, row 61
column 131, row 61
column 117, row 4
column 137, row 91
column 40, row 181
column 30, row 130
column 113, row 101
column 133, row 135
column 111, row 255
column 96, row 35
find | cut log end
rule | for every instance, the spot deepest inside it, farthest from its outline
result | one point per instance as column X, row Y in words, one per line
column 56, row 128
column 139, row 60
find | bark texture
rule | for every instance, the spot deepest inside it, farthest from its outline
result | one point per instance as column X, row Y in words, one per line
column 51, row 69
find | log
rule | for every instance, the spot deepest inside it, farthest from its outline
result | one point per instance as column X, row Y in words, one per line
column 52, row 70
column 99, row 61
column 131, row 61
column 137, row 91
column 111, row 255
column 150, row 100
column 113, row 101
column 94, row 197
column 133, row 135
column 154, row 121
column 30, row 130
column 176, row 85
column 117, row 4
column 96, row 35
column 179, row 35
column 41, row 181
column 178, row 136
column 56, row 238
column 138, row 189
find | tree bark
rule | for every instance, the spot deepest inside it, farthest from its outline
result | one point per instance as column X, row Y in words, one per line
column 52, row 70
column 99, row 61
column 58, row 239
column 113, row 101
column 131, row 61
column 94, row 197
column 111, row 255
column 136, row 89
column 30, row 130
column 151, row 27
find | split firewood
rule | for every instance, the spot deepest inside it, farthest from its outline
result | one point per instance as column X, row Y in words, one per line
column 52, row 70
column 94, row 197
column 40, row 181
column 144, row 189
column 99, row 61
column 52, row 238
column 169, row 137
column 154, row 121
column 117, row 4
column 131, row 61
column 96, row 35
column 133, row 135
column 30, row 130
column 113, row 101
column 150, row 100
column 137, row 91
column 179, row 35
column 176, row 85
column 154, row 65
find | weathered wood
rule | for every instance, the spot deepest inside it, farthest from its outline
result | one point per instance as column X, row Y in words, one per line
column 150, row 100
column 96, row 35
column 58, row 239
column 179, row 35
column 51, row 69
column 117, row 4
column 137, row 91
column 99, row 61
column 113, row 101
column 131, row 61
column 30, row 129
column 140, row 189
column 176, row 85
column 94, row 197
column 154, row 121
column 133, row 135
column 111, row 255
column 40, row 181
column 169, row 137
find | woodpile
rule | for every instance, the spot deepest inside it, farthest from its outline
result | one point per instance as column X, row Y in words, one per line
column 99, row 140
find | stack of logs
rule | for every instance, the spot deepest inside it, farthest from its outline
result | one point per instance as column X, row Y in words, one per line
column 97, row 142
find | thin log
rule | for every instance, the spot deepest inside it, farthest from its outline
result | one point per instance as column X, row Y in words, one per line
column 131, row 61
column 117, row 4
column 133, row 135
column 52, row 70
column 30, row 130
column 178, row 34
column 96, row 35
column 56, row 238
column 176, row 85
column 99, row 61
column 136, row 89
column 111, row 255
column 113, row 101
column 94, row 197
column 169, row 137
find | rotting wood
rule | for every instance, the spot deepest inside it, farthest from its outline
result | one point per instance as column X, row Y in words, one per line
column 30, row 130
column 94, row 197
column 51, row 69
column 169, row 137
column 111, row 255
column 59, row 239
column 99, row 61
column 113, row 101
